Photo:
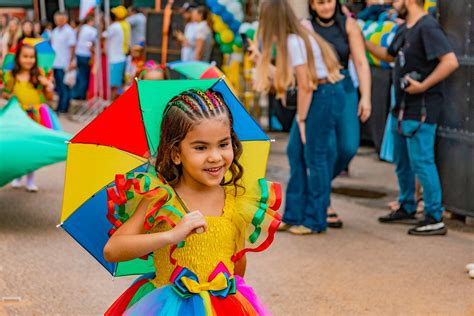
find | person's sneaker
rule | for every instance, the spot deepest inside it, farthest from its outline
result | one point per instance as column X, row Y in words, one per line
column 16, row 184
column 32, row 188
column 284, row 227
column 429, row 227
column 399, row 216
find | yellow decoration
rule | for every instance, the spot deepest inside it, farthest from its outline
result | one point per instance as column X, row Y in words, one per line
column 237, row 49
column 217, row 284
column 227, row 36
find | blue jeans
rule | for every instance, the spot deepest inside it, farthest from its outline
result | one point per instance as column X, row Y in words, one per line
column 79, row 91
column 63, row 91
column 414, row 156
column 346, row 136
column 309, row 186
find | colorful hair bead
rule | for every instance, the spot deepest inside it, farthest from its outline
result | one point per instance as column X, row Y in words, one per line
column 189, row 102
column 213, row 100
column 196, row 97
column 216, row 97
column 206, row 99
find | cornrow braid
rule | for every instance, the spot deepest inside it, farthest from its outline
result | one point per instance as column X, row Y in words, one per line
column 180, row 115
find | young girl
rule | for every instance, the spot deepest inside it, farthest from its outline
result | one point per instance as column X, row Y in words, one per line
column 303, row 55
column 28, row 84
column 199, row 259
column 152, row 71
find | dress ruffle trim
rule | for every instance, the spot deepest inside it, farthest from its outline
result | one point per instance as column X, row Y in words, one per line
column 254, row 211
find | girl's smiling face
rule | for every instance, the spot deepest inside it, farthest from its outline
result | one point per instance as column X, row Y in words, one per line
column 27, row 58
column 206, row 153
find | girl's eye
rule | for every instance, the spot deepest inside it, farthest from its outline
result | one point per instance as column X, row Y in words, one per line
column 224, row 145
column 200, row 148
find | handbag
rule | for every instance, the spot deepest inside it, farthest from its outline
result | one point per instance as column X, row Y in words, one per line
column 291, row 98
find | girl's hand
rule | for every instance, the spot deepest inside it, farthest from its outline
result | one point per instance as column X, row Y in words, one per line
column 365, row 109
column 46, row 83
column 187, row 226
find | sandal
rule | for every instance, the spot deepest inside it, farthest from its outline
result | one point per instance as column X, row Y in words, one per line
column 284, row 227
column 301, row 230
column 335, row 224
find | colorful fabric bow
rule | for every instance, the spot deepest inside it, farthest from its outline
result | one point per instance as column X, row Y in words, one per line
column 220, row 283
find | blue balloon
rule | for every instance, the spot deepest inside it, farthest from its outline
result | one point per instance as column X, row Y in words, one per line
column 219, row 9
column 211, row 4
column 234, row 26
column 227, row 17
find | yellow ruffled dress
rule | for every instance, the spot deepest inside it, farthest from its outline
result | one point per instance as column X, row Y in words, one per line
column 197, row 277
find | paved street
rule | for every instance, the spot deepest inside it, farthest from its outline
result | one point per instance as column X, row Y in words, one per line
column 364, row 269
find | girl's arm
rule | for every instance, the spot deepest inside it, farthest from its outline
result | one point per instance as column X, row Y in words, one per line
column 240, row 266
column 199, row 49
column 131, row 241
column 304, row 97
column 357, row 48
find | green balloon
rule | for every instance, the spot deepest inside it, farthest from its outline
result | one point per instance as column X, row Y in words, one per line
column 238, row 41
column 226, row 48
column 218, row 38
column 250, row 33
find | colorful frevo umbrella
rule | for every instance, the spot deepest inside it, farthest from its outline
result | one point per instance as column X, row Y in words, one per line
column 199, row 70
column 109, row 161
column 196, row 69
column 44, row 53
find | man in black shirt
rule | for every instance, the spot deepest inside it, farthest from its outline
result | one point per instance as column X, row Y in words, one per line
column 423, row 60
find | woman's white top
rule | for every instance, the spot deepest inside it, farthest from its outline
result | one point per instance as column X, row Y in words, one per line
column 297, row 54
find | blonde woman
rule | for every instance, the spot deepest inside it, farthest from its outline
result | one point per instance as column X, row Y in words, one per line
column 305, row 56
column 11, row 36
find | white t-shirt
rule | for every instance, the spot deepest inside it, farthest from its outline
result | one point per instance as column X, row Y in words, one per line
column 115, row 38
column 297, row 54
column 138, row 26
column 62, row 39
column 203, row 31
column 86, row 39
column 189, row 34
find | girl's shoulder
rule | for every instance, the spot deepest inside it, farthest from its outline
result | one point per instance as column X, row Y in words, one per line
column 255, row 214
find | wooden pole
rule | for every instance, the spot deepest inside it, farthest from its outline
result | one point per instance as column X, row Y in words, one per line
column 36, row 9
column 166, row 30
column 43, row 15
column 157, row 5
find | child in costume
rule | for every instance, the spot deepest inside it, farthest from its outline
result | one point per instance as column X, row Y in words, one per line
column 152, row 71
column 30, row 86
column 199, row 256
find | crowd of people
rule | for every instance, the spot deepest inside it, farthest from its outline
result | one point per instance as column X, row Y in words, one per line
column 325, row 133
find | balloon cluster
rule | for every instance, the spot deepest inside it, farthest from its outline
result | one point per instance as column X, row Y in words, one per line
column 379, row 33
column 226, row 21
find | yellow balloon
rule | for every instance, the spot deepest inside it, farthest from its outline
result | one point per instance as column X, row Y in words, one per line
column 227, row 36
column 237, row 49
column 219, row 26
